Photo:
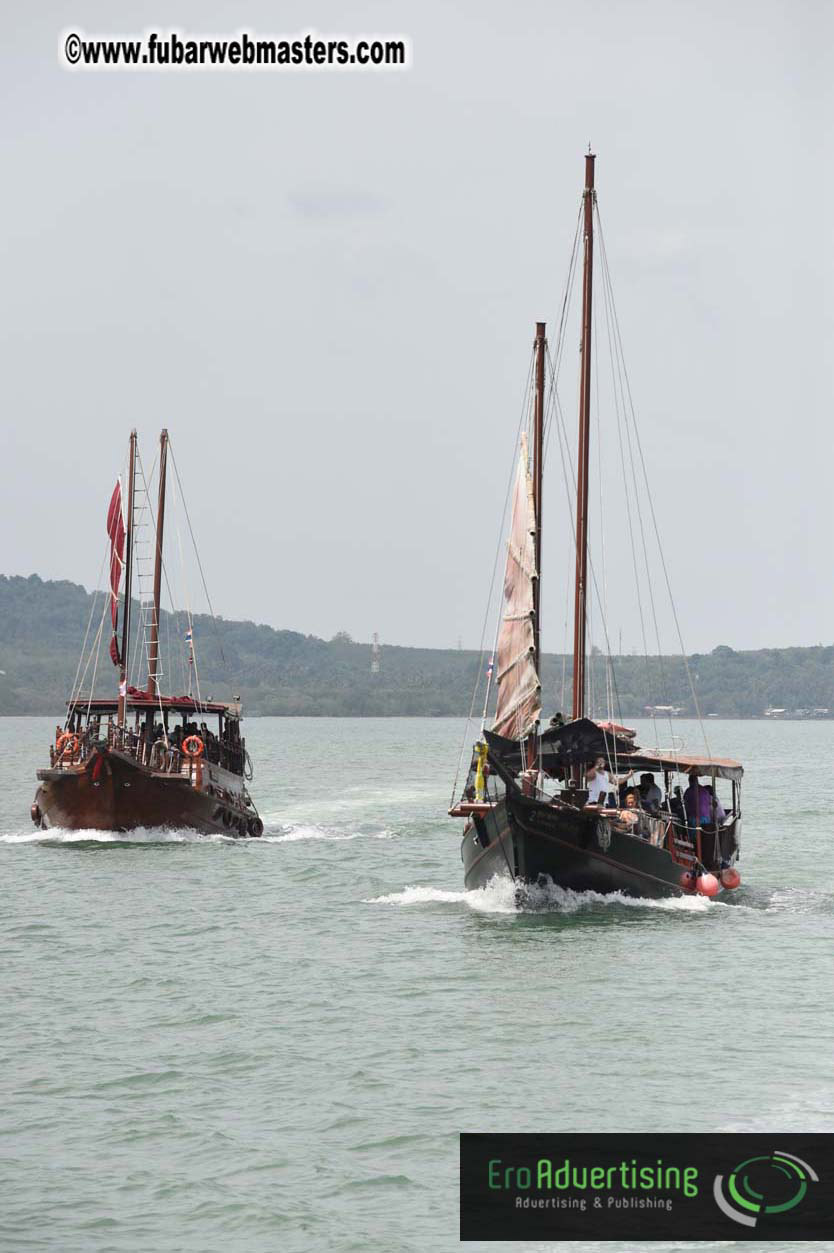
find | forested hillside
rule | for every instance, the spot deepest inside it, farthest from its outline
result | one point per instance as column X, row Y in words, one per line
column 42, row 625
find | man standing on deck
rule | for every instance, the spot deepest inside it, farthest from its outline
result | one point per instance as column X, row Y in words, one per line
column 600, row 783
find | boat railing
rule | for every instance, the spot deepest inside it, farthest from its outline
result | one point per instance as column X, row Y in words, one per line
column 72, row 748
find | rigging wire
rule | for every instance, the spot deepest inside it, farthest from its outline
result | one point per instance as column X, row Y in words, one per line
column 629, row 515
column 97, row 647
column 199, row 562
column 75, row 690
column 656, row 528
column 498, row 548
column 569, row 479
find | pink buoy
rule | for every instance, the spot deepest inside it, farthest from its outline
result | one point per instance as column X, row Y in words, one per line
column 707, row 884
column 687, row 881
column 730, row 878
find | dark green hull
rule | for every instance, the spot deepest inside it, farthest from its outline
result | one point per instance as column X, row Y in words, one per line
column 531, row 841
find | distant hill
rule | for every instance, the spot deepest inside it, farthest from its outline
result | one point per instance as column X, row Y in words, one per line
column 42, row 625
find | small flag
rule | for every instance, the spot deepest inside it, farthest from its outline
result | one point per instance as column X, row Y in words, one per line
column 489, row 667
column 188, row 636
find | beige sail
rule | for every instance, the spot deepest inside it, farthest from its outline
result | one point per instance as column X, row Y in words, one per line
column 519, row 689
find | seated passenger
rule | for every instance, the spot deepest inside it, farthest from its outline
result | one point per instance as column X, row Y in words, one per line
column 651, row 796
column 718, row 812
column 697, row 802
column 676, row 807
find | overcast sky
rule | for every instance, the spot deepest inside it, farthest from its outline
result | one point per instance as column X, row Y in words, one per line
column 326, row 284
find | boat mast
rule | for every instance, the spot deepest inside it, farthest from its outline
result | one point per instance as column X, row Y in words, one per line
column 153, row 647
column 580, row 600
column 131, row 488
column 538, row 461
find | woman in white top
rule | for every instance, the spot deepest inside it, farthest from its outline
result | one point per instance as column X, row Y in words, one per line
column 600, row 783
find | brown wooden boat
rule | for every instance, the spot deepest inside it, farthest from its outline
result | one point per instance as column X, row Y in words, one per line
column 533, row 803
column 143, row 759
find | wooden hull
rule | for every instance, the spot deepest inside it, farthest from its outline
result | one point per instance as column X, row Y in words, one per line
column 530, row 842
column 111, row 791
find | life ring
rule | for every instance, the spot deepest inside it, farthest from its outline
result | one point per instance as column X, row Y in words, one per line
column 193, row 746
column 67, row 740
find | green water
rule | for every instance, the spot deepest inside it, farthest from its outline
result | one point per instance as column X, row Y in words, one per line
column 273, row 1045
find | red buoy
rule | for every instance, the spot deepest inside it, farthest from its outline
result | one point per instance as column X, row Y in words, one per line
column 706, row 884
column 730, row 878
column 687, row 881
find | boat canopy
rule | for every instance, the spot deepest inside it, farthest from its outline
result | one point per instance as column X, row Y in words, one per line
column 573, row 744
column 143, row 702
column 666, row 759
column 579, row 742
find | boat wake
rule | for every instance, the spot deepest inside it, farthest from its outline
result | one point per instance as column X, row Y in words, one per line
column 276, row 833
column 501, row 896
column 57, row 837
column 291, row 834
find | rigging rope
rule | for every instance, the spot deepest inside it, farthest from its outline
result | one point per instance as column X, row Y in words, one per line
column 656, row 528
column 75, row 690
column 633, row 545
column 199, row 562
column 485, row 624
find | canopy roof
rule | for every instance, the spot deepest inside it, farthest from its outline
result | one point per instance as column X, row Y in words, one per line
column 577, row 743
column 175, row 704
column 665, row 759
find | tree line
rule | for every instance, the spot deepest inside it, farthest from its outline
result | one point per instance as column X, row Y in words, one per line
column 42, row 625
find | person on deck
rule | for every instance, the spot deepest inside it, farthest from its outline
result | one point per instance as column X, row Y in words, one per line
column 600, row 783
column 697, row 802
column 651, row 797
column 719, row 814
column 676, row 807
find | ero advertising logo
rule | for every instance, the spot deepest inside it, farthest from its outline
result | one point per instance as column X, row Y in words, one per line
column 772, row 1184
column 646, row 1187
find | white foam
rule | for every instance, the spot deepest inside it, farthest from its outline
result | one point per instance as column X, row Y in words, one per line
column 312, row 832
column 500, row 897
column 138, row 835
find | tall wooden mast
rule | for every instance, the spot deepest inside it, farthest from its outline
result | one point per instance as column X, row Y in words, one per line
column 153, row 646
column 538, row 460
column 123, row 671
column 580, row 600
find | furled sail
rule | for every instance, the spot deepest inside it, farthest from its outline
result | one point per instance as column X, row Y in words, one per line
column 519, row 689
column 116, row 531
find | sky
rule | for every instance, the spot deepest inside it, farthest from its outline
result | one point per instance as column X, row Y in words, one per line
column 325, row 285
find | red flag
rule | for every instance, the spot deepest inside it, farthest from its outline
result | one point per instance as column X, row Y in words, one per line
column 116, row 531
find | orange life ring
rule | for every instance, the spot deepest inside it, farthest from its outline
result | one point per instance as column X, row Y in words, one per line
column 193, row 746
column 68, row 738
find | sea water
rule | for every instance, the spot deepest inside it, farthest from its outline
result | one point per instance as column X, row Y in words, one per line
column 211, row 1044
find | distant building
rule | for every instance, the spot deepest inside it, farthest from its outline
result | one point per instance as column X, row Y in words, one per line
column 820, row 711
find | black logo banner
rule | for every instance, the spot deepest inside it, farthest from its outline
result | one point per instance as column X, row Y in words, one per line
column 679, row 1186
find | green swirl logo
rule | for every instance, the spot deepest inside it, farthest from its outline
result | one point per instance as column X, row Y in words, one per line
column 763, row 1185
